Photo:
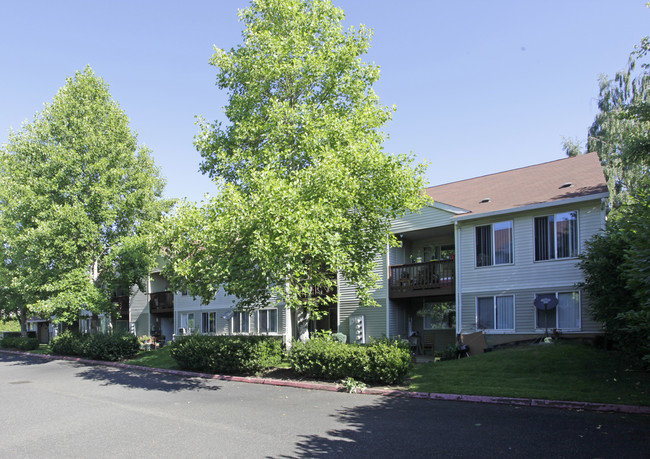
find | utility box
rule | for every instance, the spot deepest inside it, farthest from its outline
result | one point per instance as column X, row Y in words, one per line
column 357, row 329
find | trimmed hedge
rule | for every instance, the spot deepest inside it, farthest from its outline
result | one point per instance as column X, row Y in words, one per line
column 23, row 344
column 384, row 362
column 227, row 354
column 97, row 347
column 17, row 334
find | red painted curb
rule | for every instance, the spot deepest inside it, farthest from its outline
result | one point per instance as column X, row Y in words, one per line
column 561, row 404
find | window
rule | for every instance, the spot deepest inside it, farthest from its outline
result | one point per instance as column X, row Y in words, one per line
column 494, row 244
column 187, row 321
column 240, row 322
column 438, row 315
column 556, row 236
column 267, row 321
column 209, row 322
column 566, row 315
column 495, row 313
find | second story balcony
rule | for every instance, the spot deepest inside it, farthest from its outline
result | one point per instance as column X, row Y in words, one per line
column 430, row 278
column 161, row 302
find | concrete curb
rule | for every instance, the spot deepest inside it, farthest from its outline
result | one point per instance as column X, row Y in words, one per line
column 561, row 404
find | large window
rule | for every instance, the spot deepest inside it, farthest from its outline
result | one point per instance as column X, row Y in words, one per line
column 267, row 321
column 566, row 315
column 209, row 322
column 556, row 236
column 495, row 313
column 494, row 244
column 187, row 321
column 240, row 322
column 438, row 315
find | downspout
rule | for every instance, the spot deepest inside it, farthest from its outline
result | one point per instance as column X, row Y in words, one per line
column 149, row 304
column 387, row 290
column 459, row 306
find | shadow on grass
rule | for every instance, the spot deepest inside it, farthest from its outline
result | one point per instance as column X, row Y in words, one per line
column 142, row 379
column 400, row 427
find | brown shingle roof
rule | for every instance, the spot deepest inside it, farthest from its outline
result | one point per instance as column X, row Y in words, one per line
column 525, row 186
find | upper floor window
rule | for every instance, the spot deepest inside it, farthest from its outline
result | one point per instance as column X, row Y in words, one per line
column 556, row 236
column 494, row 244
column 267, row 321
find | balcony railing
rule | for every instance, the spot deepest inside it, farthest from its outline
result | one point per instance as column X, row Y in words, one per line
column 160, row 302
column 422, row 279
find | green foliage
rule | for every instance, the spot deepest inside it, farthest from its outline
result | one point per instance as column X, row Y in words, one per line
column 96, row 346
column 9, row 325
column 227, row 354
column 305, row 188
column 621, row 131
column 616, row 266
column 385, row 362
column 77, row 192
column 23, row 344
column 352, row 386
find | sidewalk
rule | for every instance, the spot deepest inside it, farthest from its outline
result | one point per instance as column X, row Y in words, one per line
column 570, row 405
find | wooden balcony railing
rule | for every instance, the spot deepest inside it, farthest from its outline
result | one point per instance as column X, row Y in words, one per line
column 160, row 302
column 422, row 279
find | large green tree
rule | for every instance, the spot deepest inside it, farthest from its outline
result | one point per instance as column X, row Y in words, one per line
column 78, row 201
column 621, row 131
column 617, row 263
column 305, row 190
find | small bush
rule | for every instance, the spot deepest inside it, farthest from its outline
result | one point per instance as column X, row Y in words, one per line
column 97, row 347
column 16, row 334
column 383, row 361
column 227, row 354
column 23, row 344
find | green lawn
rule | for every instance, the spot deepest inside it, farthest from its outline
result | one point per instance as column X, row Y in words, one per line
column 563, row 371
column 159, row 358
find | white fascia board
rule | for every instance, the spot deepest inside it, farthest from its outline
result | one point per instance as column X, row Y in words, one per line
column 541, row 205
column 448, row 208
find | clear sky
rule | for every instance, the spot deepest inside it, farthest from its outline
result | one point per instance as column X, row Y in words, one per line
column 480, row 86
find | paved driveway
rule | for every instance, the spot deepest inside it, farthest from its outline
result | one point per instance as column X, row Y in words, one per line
column 65, row 409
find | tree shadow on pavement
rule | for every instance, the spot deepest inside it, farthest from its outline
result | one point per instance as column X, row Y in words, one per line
column 23, row 359
column 402, row 427
column 142, row 379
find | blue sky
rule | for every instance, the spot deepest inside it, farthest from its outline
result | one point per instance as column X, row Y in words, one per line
column 480, row 86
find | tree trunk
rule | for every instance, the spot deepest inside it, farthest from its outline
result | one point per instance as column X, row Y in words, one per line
column 302, row 319
column 22, row 319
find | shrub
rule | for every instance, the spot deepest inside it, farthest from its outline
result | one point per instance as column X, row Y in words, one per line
column 111, row 347
column 227, row 354
column 16, row 334
column 23, row 344
column 383, row 361
column 97, row 347
column 69, row 343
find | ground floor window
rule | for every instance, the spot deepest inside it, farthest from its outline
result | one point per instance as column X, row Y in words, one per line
column 495, row 313
column 436, row 316
column 209, row 322
column 566, row 315
column 267, row 321
column 240, row 322
column 187, row 322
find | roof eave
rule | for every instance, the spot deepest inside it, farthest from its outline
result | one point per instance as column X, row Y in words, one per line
column 541, row 205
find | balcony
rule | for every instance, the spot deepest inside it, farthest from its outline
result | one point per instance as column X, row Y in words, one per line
column 161, row 302
column 432, row 278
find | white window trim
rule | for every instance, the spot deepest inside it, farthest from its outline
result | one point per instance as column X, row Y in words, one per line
column 187, row 328
column 512, row 241
column 215, row 322
column 502, row 331
column 232, row 323
column 555, row 258
column 543, row 329
column 277, row 321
